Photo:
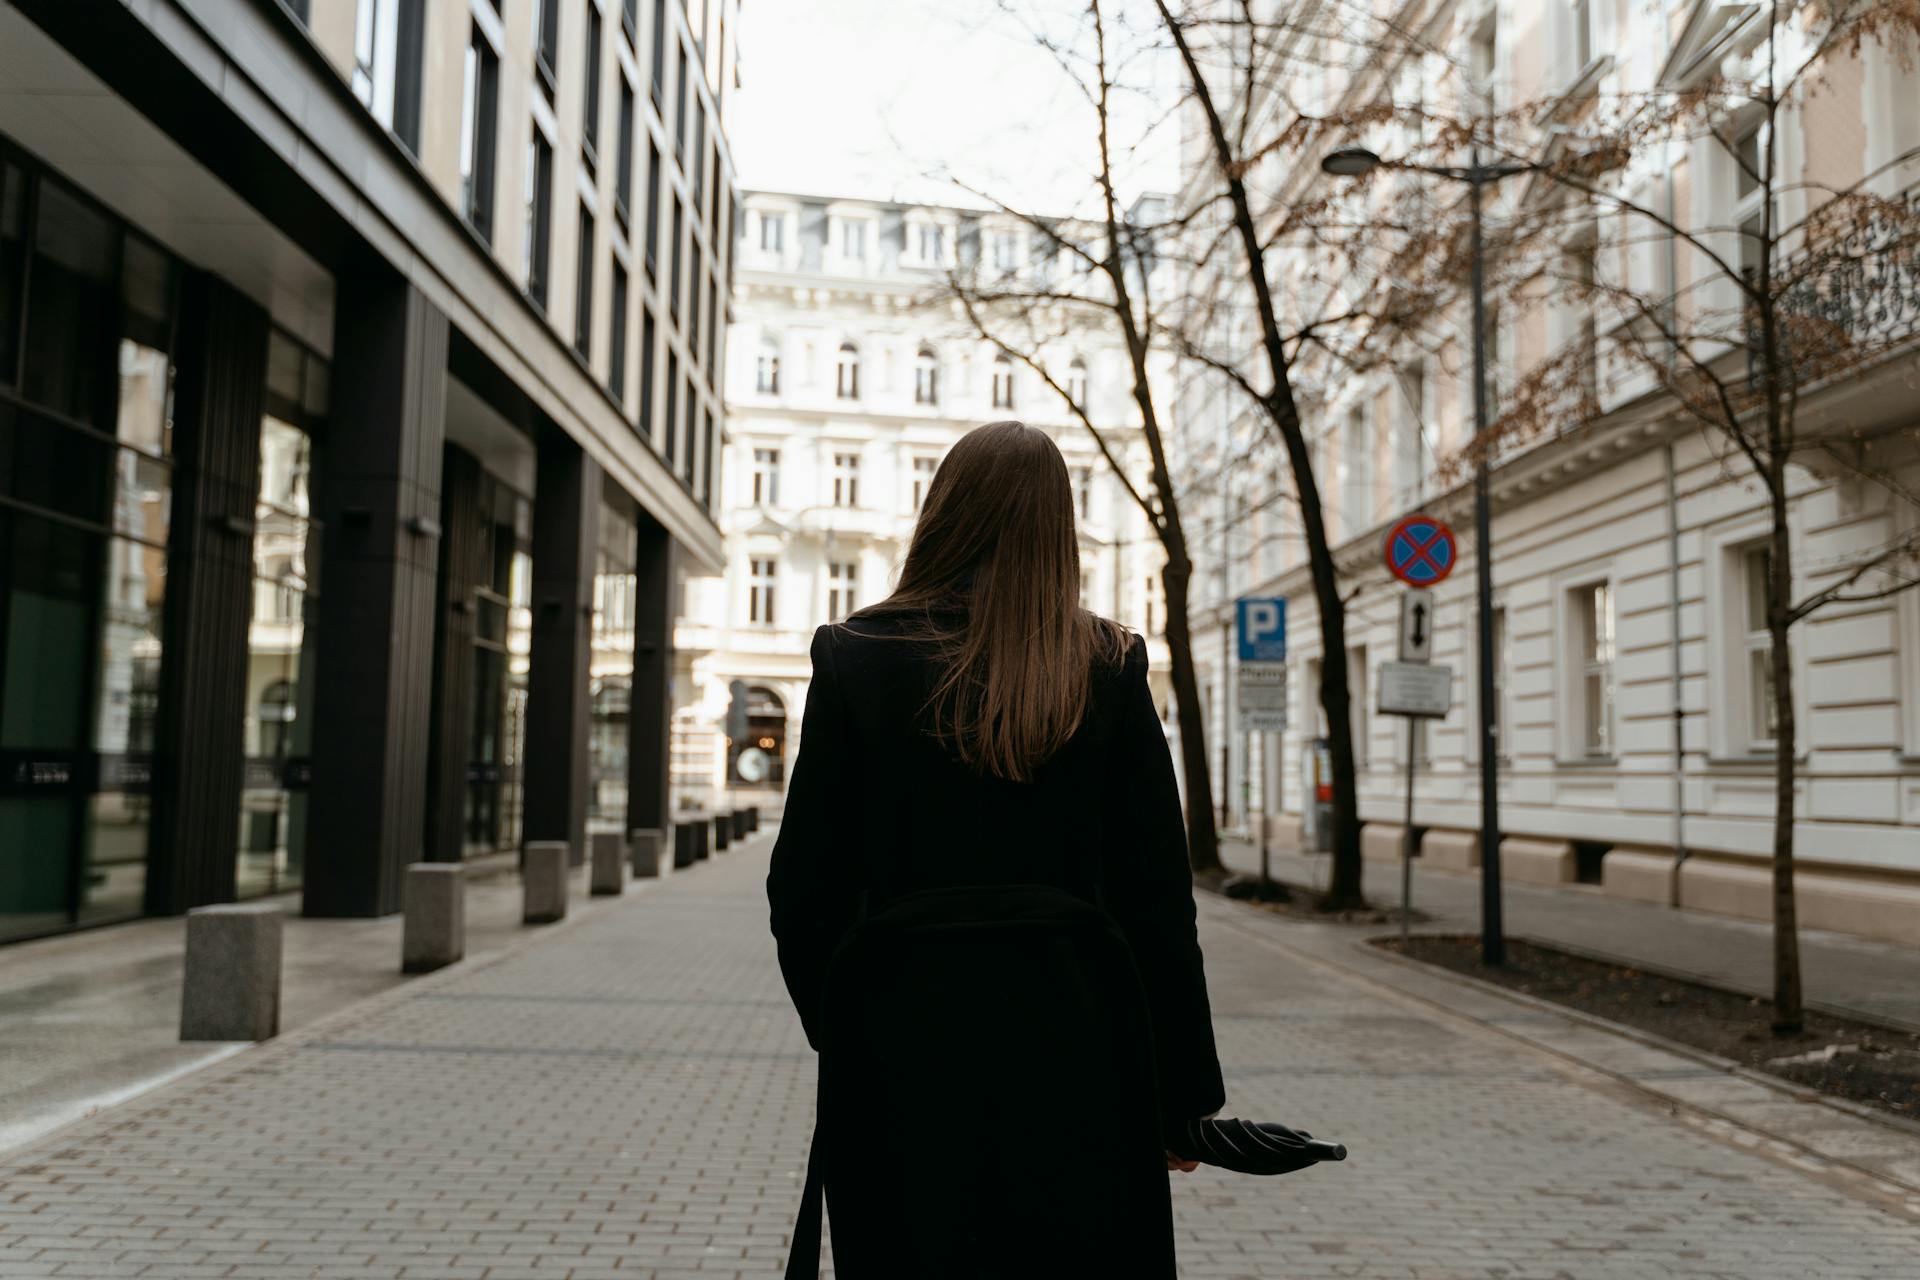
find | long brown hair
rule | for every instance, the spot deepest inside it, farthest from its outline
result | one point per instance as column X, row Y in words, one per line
column 992, row 580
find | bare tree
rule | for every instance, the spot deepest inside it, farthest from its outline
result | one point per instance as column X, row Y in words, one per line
column 1103, row 278
column 1808, row 287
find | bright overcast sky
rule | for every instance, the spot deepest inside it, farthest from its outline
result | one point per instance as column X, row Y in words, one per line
column 884, row 98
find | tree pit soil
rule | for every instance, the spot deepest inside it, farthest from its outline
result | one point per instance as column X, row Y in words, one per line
column 1863, row 1062
column 1296, row 903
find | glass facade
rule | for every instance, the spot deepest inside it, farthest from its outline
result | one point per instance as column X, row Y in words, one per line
column 280, row 651
column 615, row 603
column 87, row 318
column 503, row 621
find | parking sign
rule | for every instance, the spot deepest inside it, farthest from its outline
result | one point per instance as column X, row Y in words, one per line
column 1261, row 622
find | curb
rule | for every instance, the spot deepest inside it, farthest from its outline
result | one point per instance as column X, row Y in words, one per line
column 1898, row 1189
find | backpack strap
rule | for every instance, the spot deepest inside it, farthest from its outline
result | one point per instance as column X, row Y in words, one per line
column 803, row 1259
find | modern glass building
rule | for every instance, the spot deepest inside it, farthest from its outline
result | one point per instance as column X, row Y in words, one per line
column 342, row 512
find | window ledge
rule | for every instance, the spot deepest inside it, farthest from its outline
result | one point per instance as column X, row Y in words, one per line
column 1751, row 760
column 1586, row 762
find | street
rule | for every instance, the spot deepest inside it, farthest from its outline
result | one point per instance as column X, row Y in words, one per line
column 630, row 1094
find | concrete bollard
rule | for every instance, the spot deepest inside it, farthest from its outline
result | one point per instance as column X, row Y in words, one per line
column 544, row 881
column 645, row 845
column 753, row 817
column 703, row 838
column 231, row 989
column 682, row 839
column 435, row 932
column 722, row 830
column 739, row 824
column 609, row 875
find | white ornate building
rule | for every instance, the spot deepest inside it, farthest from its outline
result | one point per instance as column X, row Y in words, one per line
column 1628, row 549
column 847, row 381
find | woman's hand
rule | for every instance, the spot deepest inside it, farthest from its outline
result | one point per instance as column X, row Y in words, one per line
column 1184, row 1166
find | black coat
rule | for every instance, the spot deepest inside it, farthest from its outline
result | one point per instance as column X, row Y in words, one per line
column 997, row 1181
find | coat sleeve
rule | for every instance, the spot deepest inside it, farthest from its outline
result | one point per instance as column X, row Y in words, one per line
column 810, row 888
column 1152, row 901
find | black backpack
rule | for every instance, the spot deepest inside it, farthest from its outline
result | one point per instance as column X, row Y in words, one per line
column 963, row 1024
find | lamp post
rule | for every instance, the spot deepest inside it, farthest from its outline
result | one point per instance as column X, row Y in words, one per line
column 1357, row 162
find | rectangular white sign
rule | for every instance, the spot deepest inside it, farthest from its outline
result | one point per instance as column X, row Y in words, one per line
column 1415, row 689
column 1263, row 696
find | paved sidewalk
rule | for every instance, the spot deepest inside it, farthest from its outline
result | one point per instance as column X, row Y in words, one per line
column 631, row 1095
column 1842, row 973
column 92, row 1017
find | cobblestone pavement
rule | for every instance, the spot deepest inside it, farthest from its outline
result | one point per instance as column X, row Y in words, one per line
column 630, row 1094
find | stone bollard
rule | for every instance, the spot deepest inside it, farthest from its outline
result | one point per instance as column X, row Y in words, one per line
column 739, row 824
column 722, row 830
column 543, row 881
column 231, row 989
column 609, row 875
column 645, row 845
column 435, row 932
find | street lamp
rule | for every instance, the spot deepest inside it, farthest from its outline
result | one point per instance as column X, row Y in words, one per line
column 1357, row 162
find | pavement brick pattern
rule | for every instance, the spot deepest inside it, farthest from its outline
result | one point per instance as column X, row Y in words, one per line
column 630, row 1095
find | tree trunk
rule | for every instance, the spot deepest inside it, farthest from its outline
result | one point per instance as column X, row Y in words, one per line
column 1788, row 1014
column 1203, row 845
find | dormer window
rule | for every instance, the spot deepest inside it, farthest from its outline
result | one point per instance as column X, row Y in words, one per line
column 926, row 377
column 847, row 372
column 853, row 240
column 933, row 246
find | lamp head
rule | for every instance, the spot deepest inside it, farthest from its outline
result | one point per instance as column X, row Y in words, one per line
column 1350, row 162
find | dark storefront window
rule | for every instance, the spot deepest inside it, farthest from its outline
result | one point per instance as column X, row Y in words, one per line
column 86, row 331
column 501, row 635
column 280, row 652
column 615, row 602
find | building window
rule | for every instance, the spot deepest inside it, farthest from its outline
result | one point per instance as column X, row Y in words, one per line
column 693, row 417
column 1358, row 706
column 1006, row 251
column 623, row 162
column 539, row 215
column 650, row 234
column 710, row 476
column 583, row 287
column 1593, row 618
column 479, row 126
column 680, row 108
column 693, row 302
column 772, row 232
column 847, row 372
column 853, row 239
column 699, row 153
column 926, row 377
column 659, row 52
column 1082, row 481
column 1002, row 382
column 670, row 426
column 760, row 587
column 766, row 367
column 1409, row 443
column 766, row 477
column 617, row 334
column 673, row 265
column 842, row 579
column 1077, row 383
column 1502, row 711
column 646, row 374
column 923, row 469
column 630, row 22
column 546, row 44
column 846, row 479
column 1756, row 567
column 590, row 104
column 1749, row 153
column 388, row 41
column 1150, row 597
column 933, row 248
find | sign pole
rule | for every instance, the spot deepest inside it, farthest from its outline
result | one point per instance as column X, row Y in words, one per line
column 1406, row 846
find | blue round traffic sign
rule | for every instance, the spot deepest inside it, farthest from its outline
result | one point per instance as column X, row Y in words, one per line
column 1420, row 551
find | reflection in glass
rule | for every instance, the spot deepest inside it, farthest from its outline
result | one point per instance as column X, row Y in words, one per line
column 72, row 306
column 615, row 598
column 279, row 658
column 121, row 807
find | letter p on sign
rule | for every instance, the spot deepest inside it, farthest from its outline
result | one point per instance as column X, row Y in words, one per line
column 1263, row 629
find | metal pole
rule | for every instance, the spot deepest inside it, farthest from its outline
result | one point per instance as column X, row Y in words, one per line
column 1406, row 847
column 1493, row 943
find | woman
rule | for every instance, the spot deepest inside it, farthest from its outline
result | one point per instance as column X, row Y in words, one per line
column 978, row 728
